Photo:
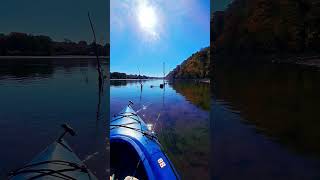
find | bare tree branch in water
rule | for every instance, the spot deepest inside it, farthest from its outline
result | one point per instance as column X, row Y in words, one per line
column 96, row 52
column 100, row 76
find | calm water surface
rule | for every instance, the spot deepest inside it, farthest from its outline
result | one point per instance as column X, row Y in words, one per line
column 183, row 126
column 37, row 96
column 266, row 122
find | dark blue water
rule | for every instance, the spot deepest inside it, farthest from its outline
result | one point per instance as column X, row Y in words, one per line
column 266, row 122
column 37, row 95
column 183, row 125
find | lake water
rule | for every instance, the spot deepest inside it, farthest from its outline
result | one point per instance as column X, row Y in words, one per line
column 183, row 125
column 266, row 122
column 37, row 96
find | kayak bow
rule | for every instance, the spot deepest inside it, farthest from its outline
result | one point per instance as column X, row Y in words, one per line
column 57, row 161
column 135, row 149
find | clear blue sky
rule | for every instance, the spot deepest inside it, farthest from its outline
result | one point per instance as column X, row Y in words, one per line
column 146, row 33
column 58, row 19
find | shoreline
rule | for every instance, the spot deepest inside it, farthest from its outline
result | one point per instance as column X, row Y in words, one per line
column 134, row 79
column 313, row 63
column 198, row 80
column 310, row 60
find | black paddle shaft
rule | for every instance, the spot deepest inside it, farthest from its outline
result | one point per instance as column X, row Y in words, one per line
column 67, row 129
column 130, row 103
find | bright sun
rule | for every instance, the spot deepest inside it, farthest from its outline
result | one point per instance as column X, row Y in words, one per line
column 147, row 18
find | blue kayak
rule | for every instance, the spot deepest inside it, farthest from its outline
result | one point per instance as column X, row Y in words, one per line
column 57, row 161
column 135, row 149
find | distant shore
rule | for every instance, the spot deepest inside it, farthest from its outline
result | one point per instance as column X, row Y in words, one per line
column 135, row 79
column 199, row 80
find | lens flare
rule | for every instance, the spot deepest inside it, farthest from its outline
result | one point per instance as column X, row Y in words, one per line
column 147, row 18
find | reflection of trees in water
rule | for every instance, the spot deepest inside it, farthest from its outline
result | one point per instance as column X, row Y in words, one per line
column 282, row 101
column 29, row 68
column 184, row 136
column 197, row 93
column 37, row 67
column 26, row 68
column 190, row 142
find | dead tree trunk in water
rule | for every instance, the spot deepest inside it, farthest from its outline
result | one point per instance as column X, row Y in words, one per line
column 96, row 52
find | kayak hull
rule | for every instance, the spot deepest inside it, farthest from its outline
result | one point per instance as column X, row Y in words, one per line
column 127, row 127
column 55, row 162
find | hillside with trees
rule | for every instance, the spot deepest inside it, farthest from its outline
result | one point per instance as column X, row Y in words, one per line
column 194, row 67
column 22, row 44
column 276, row 28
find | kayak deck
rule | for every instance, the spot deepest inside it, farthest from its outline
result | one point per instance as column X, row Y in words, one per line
column 57, row 161
column 128, row 130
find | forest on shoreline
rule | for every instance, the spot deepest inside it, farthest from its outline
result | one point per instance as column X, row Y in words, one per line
column 22, row 44
column 194, row 67
column 119, row 75
column 273, row 30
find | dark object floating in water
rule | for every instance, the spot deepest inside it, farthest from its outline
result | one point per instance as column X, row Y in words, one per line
column 161, row 86
column 57, row 161
column 135, row 149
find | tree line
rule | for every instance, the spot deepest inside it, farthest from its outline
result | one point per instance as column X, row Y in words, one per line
column 194, row 67
column 119, row 75
column 22, row 44
column 267, row 27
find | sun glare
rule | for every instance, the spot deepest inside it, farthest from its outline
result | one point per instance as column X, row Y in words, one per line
column 147, row 18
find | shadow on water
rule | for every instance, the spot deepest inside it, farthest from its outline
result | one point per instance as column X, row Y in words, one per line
column 280, row 101
column 277, row 106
